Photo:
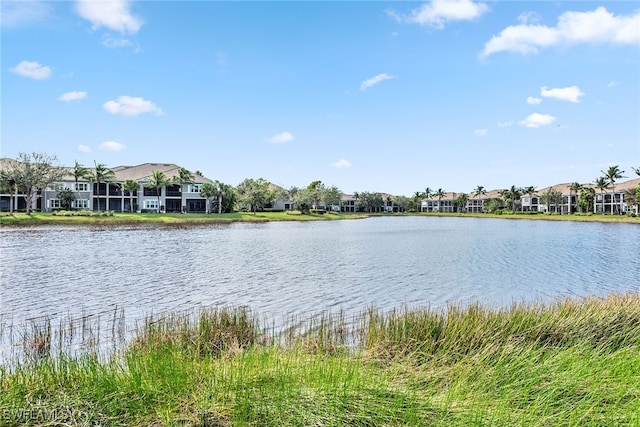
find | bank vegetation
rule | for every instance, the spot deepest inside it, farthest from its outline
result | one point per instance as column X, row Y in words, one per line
column 574, row 362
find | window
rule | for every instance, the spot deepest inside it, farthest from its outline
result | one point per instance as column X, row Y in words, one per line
column 56, row 186
column 194, row 188
column 81, row 204
column 151, row 204
column 54, row 204
column 82, row 186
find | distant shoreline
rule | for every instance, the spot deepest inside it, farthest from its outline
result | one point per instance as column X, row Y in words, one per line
column 45, row 218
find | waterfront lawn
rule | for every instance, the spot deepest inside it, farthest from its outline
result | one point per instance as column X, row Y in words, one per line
column 575, row 362
column 168, row 218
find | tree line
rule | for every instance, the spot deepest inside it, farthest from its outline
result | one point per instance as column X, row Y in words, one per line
column 30, row 173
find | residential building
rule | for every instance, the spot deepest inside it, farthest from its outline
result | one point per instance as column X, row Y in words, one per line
column 110, row 196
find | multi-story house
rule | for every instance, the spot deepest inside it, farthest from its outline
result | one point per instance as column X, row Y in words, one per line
column 174, row 197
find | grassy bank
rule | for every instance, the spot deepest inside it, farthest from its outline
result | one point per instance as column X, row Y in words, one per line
column 106, row 218
column 575, row 362
column 48, row 218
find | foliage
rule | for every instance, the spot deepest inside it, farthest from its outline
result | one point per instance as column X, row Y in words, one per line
column 66, row 197
column 572, row 362
column 223, row 193
column 586, row 199
column 511, row 196
column 130, row 186
column 255, row 194
column 33, row 172
column 552, row 197
column 8, row 184
column 80, row 172
column 492, row 205
column 101, row 174
column 370, row 202
column 158, row 181
column 460, row 202
column 612, row 174
column 183, row 177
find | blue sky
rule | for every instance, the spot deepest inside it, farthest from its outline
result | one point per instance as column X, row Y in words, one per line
column 368, row 96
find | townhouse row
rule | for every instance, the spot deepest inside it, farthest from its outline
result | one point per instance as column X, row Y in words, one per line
column 110, row 196
column 186, row 197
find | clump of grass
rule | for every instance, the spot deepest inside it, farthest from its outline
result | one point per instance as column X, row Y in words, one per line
column 211, row 332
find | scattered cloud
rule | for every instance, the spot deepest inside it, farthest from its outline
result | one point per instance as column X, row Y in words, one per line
column 341, row 164
column 111, row 146
column 114, row 15
column 111, row 42
column 20, row 12
column 593, row 27
column 72, row 96
column 32, row 70
column 612, row 83
column 570, row 94
column 480, row 132
column 436, row 13
column 533, row 101
column 131, row 106
column 375, row 80
column 84, row 148
column 537, row 120
column 505, row 124
column 529, row 18
column 281, row 138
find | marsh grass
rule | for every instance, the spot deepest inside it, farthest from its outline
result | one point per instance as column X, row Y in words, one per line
column 572, row 362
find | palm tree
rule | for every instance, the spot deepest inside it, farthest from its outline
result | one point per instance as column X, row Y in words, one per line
column 417, row 196
column 612, row 174
column 220, row 189
column 479, row 191
column 440, row 193
column 80, row 172
column 184, row 177
column 66, row 198
column 602, row 183
column 130, row 186
column 575, row 187
column 356, row 196
column 101, row 174
column 529, row 191
column 158, row 181
column 207, row 190
column 636, row 170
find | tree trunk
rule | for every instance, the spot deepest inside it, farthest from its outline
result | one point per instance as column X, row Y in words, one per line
column 219, row 204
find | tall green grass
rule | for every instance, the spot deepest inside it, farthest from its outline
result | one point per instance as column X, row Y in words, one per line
column 572, row 362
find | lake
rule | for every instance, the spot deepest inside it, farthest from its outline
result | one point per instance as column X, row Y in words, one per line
column 285, row 269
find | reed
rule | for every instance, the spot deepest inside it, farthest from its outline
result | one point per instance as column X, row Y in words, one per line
column 571, row 362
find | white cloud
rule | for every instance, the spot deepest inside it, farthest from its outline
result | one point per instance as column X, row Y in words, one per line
column 131, row 106
column 375, row 80
column 114, row 15
column 537, row 120
column 112, row 146
column 16, row 13
column 436, row 13
column 281, row 138
column 72, row 96
column 505, row 124
column 84, row 148
column 528, row 18
column 341, row 164
column 480, row 132
column 612, row 83
column 571, row 93
column 533, row 101
column 32, row 70
column 594, row 27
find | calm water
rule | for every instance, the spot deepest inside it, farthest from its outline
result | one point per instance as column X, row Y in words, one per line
column 284, row 269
